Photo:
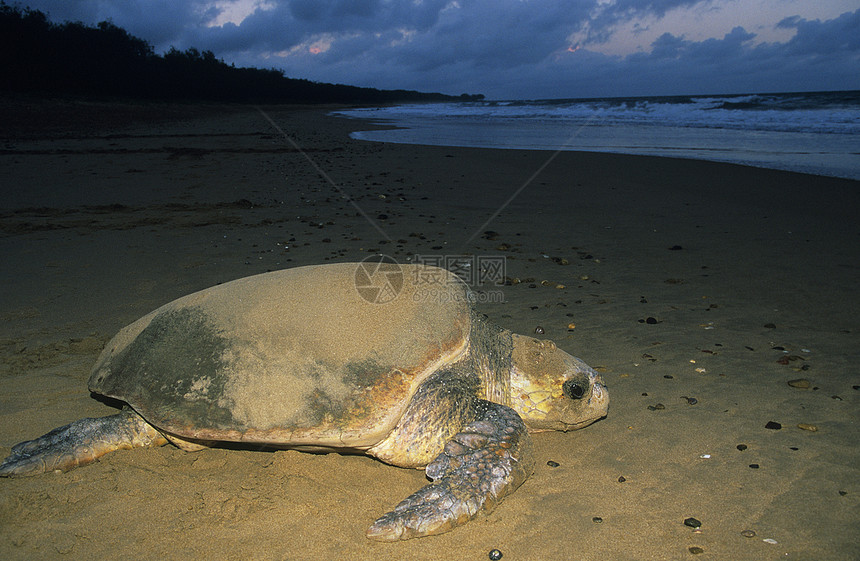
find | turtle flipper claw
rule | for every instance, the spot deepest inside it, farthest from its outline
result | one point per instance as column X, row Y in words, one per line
column 483, row 463
column 80, row 443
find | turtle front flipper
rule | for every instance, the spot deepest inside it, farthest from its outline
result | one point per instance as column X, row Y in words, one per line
column 80, row 443
column 487, row 460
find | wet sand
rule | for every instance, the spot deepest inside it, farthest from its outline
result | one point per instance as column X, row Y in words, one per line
column 699, row 290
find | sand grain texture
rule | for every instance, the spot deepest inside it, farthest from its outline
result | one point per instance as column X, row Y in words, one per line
column 104, row 219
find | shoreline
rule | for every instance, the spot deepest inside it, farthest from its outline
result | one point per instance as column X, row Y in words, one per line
column 775, row 131
column 379, row 135
column 747, row 273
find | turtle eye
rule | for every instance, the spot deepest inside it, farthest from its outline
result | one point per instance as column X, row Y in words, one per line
column 573, row 389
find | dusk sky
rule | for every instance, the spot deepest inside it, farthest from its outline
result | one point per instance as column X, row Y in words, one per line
column 512, row 49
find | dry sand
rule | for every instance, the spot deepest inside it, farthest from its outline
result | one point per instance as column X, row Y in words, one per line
column 110, row 210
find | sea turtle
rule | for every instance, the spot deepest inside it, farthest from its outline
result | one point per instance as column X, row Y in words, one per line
column 387, row 360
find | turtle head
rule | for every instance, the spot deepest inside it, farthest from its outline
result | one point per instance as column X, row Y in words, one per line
column 552, row 390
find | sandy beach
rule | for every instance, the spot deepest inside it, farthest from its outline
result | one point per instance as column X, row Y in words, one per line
column 699, row 290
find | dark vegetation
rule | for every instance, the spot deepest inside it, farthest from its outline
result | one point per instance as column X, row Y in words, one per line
column 40, row 57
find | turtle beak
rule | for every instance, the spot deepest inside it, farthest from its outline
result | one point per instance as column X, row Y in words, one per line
column 598, row 401
column 599, row 394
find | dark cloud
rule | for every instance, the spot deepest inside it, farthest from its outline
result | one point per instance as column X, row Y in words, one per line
column 504, row 48
column 492, row 37
column 160, row 22
column 283, row 25
column 821, row 56
column 668, row 46
column 824, row 38
column 731, row 46
column 334, row 10
column 604, row 18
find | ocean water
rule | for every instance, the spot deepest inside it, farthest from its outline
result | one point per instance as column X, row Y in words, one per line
column 817, row 133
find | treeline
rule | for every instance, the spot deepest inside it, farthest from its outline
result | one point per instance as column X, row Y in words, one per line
column 37, row 56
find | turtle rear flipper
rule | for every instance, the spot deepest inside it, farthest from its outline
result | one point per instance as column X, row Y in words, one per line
column 487, row 460
column 80, row 443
